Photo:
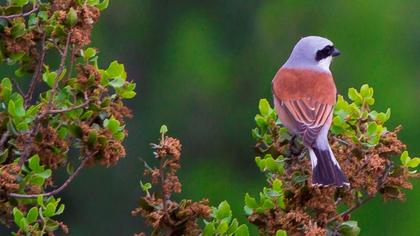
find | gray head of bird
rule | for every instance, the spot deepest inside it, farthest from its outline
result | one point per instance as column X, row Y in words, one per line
column 312, row 52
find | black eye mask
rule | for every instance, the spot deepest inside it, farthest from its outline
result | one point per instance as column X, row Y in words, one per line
column 326, row 52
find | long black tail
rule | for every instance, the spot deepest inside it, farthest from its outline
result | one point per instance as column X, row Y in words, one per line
column 325, row 168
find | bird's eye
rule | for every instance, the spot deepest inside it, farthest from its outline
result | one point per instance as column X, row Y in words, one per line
column 324, row 53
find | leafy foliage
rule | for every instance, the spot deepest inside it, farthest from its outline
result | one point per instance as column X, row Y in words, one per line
column 223, row 224
column 367, row 151
column 169, row 217
column 72, row 105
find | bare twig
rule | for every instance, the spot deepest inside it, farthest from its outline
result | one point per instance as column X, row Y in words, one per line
column 37, row 73
column 71, row 65
column 19, row 89
column 381, row 183
column 23, row 14
column 60, row 70
column 60, row 51
column 83, row 105
column 61, row 188
column 3, row 139
column 350, row 210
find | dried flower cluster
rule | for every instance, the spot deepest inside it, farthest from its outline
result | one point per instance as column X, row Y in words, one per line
column 166, row 216
column 372, row 157
column 72, row 107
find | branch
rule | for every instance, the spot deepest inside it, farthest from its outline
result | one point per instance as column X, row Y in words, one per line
column 60, row 70
column 381, row 183
column 37, row 73
column 83, row 105
column 3, row 139
column 350, row 210
column 61, row 188
column 23, row 14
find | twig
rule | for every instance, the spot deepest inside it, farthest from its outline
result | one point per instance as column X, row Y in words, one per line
column 57, row 111
column 60, row 51
column 60, row 70
column 350, row 210
column 19, row 89
column 381, row 183
column 61, row 188
column 71, row 65
column 37, row 73
column 3, row 139
column 23, row 14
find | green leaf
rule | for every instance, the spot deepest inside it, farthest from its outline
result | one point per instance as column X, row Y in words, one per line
column 34, row 163
column 71, row 18
column 414, row 162
column 355, row 96
column 32, row 215
column 366, row 91
column 264, row 107
column 128, row 94
column 112, row 125
column 3, row 155
column 116, row 70
column 250, row 201
column 43, row 15
column 349, row 228
column 44, row 174
column 52, row 225
column 20, row 3
column 92, row 137
column 60, row 210
column 277, row 185
column 11, row 108
column 17, row 216
column 404, row 158
column 281, row 233
column 18, row 30
column 163, row 129
column 103, row 5
column 6, row 89
column 222, row 227
column 117, row 82
column 242, row 231
column 40, row 201
column 268, row 204
column 233, row 226
column 24, row 224
column 209, row 229
column 223, row 211
column 37, row 180
column 88, row 53
column 63, row 132
column 145, row 187
column 49, row 78
column 49, row 210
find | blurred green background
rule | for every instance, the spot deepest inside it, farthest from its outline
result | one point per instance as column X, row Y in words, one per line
column 202, row 66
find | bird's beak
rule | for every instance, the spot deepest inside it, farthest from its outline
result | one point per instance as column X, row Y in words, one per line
column 336, row 52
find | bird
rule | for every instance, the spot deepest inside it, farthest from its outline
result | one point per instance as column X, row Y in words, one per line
column 304, row 94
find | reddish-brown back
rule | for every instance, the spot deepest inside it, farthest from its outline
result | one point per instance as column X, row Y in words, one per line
column 292, row 84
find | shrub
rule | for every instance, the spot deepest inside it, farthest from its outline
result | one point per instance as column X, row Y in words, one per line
column 74, row 106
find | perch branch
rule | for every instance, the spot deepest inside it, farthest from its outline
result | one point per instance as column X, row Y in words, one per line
column 23, row 14
column 61, row 188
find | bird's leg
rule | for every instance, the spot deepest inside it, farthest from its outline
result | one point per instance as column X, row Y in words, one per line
column 303, row 153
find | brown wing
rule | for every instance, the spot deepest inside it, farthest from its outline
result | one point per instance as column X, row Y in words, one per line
column 307, row 97
column 309, row 117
